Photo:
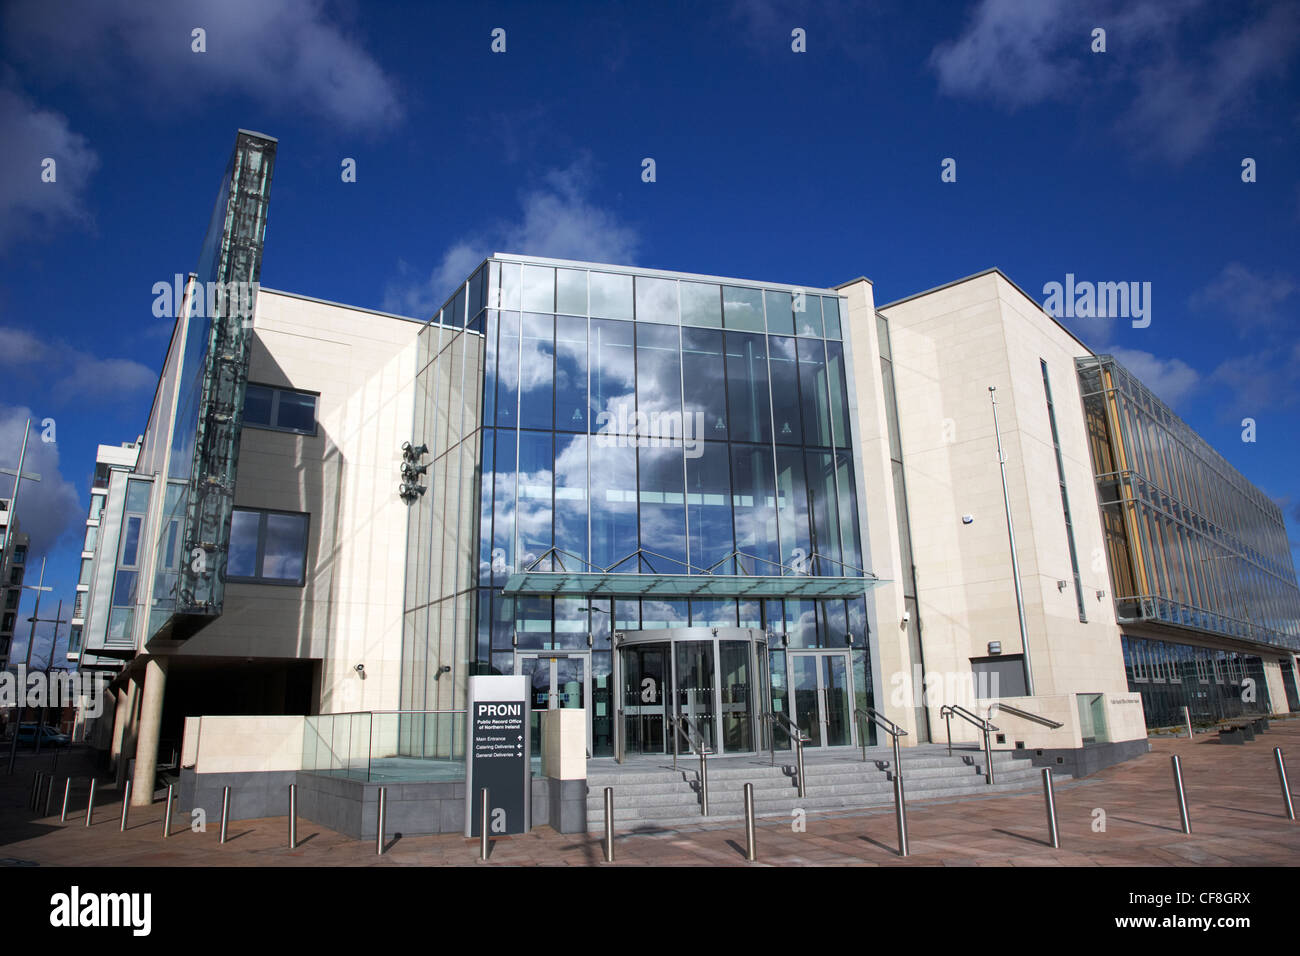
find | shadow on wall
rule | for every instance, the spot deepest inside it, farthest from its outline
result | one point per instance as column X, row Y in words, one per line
column 345, row 478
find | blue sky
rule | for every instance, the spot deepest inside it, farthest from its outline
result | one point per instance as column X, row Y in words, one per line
column 810, row 168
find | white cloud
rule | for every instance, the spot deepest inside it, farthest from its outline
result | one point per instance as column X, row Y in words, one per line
column 69, row 373
column 284, row 52
column 1264, row 381
column 1183, row 74
column 29, row 206
column 49, row 508
column 1171, row 379
column 1010, row 52
column 1250, row 299
column 557, row 219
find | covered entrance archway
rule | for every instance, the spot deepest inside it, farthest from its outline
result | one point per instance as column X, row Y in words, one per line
column 716, row 676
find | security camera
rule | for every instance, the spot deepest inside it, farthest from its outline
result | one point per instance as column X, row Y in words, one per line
column 907, row 616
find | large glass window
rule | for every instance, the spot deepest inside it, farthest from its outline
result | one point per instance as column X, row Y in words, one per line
column 742, row 309
column 705, row 397
column 814, row 395
column 570, row 374
column 539, row 289
column 701, row 304
column 708, row 505
column 663, row 509
column 613, row 504
column 613, row 377
column 753, row 493
column 780, row 318
column 658, row 382
column 785, row 390
column 571, row 499
column 611, row 296
column 571, row 292
column 792, row 511
column 507, row 400
column 808, row 322
column 748, row 401
column 267, row 547
column 537, row 371
column 656, row 300
column 534, row 505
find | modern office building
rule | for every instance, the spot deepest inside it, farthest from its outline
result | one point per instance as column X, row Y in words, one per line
column 657, row 495
column 108, row 459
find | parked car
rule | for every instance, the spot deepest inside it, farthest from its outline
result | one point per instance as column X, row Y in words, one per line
column 49, row 736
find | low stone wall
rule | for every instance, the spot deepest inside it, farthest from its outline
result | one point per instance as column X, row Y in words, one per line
column 1086, row 760
column 351, row 806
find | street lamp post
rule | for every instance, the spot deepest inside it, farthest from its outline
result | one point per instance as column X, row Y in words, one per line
column 49, row 664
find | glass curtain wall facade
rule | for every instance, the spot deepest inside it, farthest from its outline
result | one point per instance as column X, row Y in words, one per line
column 636, row 430
column 1191, row 543
column 1211, row 683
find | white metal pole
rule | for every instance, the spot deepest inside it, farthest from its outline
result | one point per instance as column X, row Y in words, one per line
column 1011, row 534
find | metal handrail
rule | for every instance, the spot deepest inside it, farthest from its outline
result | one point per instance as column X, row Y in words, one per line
column 797, row 737
column 1036, row 718
column 948, row 710
column 900, row 802
column 685, row 726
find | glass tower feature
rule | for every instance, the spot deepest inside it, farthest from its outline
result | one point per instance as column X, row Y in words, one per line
column 194, row 528
column 641, row 493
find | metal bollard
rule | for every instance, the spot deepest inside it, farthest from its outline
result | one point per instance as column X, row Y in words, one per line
column 1187, row 719
column 167, row 814
column 225, row 811
column 90, row 804
column 1182, row 796
column 36, row 790
column 704, row 783
column 67, row 792
column 609, row 824
column 126, row 806
column 900, row 801
column 483, row 824
column 49, row 793
column 383, row 814
column 751, row 845
column 799, row 764
column 1050, row 797
column 293, row 816
column 1281, row 777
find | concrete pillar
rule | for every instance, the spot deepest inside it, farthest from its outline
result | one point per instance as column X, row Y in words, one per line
column 120, row 714
column 132, row 692
column 146, row 748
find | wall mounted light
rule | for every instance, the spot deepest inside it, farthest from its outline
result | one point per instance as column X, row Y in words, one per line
column 1100, row 595
column 995, row 648
column 967, row 519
